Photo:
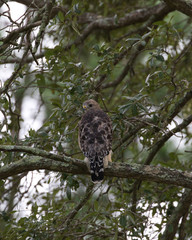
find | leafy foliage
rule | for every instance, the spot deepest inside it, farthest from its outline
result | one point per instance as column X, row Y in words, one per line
column 139, row 70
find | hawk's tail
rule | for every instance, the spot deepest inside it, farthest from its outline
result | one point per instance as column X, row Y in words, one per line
column 96, row 169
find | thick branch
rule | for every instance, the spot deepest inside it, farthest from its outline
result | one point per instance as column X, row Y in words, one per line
column 134, row 17
column 121, row 170
column 183, row 6
column 36, row 152
column 111, row 23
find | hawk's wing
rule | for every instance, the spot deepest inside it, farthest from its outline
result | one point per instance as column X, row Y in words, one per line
column 95, row 139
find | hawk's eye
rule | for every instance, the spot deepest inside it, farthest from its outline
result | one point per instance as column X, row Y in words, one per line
column 90, row 105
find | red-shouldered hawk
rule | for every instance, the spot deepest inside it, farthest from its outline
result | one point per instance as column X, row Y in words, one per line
column 95, row 139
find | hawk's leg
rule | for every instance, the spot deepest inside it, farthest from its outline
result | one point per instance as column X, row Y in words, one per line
column 86, row 160
column 107, row 159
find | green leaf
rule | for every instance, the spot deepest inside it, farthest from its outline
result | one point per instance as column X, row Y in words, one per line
column 143, row 43
column 68, row 191
column 35, row 208
column 133, row 39
column 155, row 118
column 124, row 108
column 96, row 205
column 61, row 16
column 76, row 8
column 159, row 23
column 136, row 97
column 160, row 58
column 134, row 109
column 56, row 102
column 139, row 105
column 41, row 82
column 173, row 156
column 170, row 228
column 151, row 62
column 161, row 75
column 96, row 47
column 131, row 219
column 123, row 221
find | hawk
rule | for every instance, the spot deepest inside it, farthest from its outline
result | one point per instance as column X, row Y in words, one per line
column 95, row 139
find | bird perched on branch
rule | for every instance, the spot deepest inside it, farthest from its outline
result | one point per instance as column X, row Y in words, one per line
column 95, row 139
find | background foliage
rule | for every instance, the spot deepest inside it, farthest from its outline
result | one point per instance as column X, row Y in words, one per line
column 134, row 58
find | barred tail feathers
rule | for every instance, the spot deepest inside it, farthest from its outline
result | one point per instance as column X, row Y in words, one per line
column 96, row 168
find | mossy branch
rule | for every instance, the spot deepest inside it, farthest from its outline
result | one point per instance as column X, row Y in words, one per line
column 120, row 170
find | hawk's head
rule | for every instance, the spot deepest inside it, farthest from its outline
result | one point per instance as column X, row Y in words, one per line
column 90, row 104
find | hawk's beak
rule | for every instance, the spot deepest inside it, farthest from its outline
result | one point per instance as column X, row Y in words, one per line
column 84, row 106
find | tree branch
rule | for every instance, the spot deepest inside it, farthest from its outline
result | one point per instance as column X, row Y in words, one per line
column 111, row 23
column 10, row 80
column 82, row 202
column 108, row 23
column 140, row 15
column 178, row 106
column 179, row 212
column 36, row 152
column 182, row 232
column 165, row 137
column 15, row 34
column 32, row 3
column 121, row 170
column 136, row 50
column 183, row 6
column 26, row 60
column 157, row 146
column 130, row 133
